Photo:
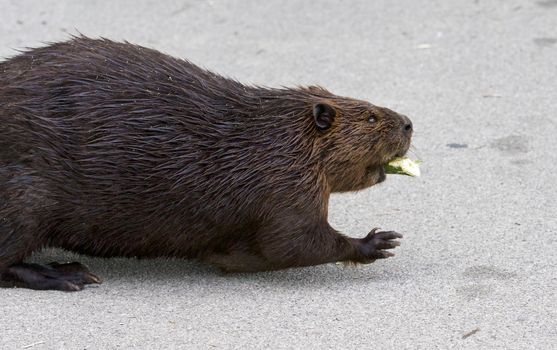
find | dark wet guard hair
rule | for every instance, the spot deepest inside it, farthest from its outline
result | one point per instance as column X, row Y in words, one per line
column 113, row 149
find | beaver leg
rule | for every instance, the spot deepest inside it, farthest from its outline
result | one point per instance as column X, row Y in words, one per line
column 307, row 247
column 17, row 241
column 326, row 245
column 24, row 205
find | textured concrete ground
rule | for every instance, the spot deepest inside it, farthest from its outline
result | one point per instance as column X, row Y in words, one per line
column 477, row 268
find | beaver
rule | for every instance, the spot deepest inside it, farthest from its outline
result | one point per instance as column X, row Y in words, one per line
column 113, row 149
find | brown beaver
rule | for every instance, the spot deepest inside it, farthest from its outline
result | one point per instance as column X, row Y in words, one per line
column 112, row 149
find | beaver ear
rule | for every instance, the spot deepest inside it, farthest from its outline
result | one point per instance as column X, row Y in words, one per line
column 324, row 115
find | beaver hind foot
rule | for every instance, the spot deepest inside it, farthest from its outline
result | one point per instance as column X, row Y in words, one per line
column 69, row 277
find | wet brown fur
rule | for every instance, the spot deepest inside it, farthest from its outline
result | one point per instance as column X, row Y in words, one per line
column 112, row 149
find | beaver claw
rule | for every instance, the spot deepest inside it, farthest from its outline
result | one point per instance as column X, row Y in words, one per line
column 68, row 277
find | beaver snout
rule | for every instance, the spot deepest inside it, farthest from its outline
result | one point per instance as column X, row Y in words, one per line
column 403, row 134
column 398, row 122
column 407, row 127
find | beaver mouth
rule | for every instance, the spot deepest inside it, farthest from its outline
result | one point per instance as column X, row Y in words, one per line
column 377, row 169
column 393, row 157
column 380, row 169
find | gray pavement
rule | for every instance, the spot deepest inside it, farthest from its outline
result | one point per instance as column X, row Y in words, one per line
column 477, row 268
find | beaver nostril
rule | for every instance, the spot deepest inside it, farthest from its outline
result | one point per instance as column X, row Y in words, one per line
column 406, row 124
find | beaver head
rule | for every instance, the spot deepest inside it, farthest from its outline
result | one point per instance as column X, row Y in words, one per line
column 357, row 139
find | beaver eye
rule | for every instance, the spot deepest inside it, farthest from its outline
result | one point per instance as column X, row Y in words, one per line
column 371, row 119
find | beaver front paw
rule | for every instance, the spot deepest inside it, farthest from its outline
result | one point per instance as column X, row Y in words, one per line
column 373, row 246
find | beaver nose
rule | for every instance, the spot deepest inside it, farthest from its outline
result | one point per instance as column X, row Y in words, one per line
column 407, row 125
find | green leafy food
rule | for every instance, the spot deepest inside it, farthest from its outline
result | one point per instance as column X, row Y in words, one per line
column 403, row 166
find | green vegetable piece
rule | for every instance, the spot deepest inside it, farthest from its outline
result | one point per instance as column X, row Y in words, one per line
column 403, row 166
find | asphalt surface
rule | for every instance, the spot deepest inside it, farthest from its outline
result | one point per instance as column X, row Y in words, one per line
column 477, row 268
